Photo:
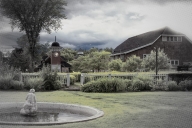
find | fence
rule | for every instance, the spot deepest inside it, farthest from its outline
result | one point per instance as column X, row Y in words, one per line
column 63, row 78
column 92, row 77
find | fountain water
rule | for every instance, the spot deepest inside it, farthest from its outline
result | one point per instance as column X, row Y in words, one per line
column 47, row 113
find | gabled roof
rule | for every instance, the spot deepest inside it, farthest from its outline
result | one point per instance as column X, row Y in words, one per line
column 143, row 40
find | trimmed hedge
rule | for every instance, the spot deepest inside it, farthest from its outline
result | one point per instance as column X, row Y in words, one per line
column 104, row 85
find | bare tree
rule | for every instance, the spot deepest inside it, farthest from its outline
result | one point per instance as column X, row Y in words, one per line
column 33, row 16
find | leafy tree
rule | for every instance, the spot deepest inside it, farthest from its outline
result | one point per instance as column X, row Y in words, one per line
column 108, row 49
column 68, row 53
column 150, row 61
column 21, row 58
column 33, row 16
column 81, row 63
column 115, row 65
column 99, row 60
column 132, row 64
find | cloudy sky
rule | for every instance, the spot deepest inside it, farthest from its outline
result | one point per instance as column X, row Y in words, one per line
column 107, row 23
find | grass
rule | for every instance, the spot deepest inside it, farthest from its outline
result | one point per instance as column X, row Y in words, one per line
column 122, row 110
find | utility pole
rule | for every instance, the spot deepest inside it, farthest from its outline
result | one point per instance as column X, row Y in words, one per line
column 156, row 64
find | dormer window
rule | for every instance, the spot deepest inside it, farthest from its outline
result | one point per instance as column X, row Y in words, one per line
column 172, row 38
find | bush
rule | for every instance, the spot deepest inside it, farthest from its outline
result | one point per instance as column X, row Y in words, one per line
column 141, row 83
column 186, row 85
column 17, row 85
column 50, row 82
column 172, row 86
column 128, row 85
column 72, row 79
column 77, row 76
column 35, row 83
column 161, row 86
column 50, row 79
column 5, row 81
column 104, row 85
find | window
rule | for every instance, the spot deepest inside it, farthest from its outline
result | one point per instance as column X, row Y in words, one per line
column 174, row 62
column 179, row 39
column 145, row 55
column 172, row 38
column 122, row 57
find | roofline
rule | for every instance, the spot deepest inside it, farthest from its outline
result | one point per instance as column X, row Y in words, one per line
column 172, row 35
column 137, row 48
column 188, row 39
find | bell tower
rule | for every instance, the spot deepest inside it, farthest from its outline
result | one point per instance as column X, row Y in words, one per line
column 55, row 56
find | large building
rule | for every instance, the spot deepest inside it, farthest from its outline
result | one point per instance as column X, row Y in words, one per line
column 176, row 45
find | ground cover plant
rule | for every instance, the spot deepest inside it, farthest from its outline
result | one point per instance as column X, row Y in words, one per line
column 121, row 110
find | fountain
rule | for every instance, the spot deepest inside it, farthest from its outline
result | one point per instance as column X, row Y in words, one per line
column 47, row 113
column 30, row 106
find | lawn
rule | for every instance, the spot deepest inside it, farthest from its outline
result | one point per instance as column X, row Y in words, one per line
column 122, row 110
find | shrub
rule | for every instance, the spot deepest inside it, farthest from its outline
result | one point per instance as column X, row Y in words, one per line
column 141, row 83
column 77, row 76
column 161, row 86
column 104, row 85
column 5, row 81
column 35, row 83
column 128, row 85
column 172, row 86
column 186, row 85
column 17, row 85
column 72, row 79
column 50, row 81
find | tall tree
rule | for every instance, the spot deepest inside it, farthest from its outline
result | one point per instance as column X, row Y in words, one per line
column 132, row 64
column 33, row 16
column 115, row 65
column 99, row 60
column 162, row 59
column 68, row 53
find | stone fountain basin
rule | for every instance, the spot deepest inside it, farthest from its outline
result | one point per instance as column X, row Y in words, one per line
column 88, row 113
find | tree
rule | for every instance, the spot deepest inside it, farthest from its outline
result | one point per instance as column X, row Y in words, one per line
column 68, row 53
column 20, row 56
column 150, row 61
column 99, row 60
column 81, row 63
column 33, row 16
column 115, row 65
column 132, row 64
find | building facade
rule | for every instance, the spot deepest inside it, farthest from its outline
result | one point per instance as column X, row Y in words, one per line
column 176, row 45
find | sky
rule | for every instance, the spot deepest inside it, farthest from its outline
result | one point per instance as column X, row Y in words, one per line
column 107, row 23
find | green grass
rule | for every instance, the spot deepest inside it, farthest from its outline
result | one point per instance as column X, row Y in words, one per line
column 122, row 110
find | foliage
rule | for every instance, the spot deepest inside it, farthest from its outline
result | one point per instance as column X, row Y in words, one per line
column 139, row 83
column 77, row 76
column 104, row 85
column 20, row 60
column 35, row 83
column 81, row 63
column 17, row 85
column 7, row 82
column 186, row 85
column 172, row 86
column 150, row 61
column 115, row 65
column 50, row 81
column 72, row 79
column 160, row 86
column 69, row 54
column 132, row 64
column 8, row 77
column 93, row 61
column 99, row 60
column 33, row 16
